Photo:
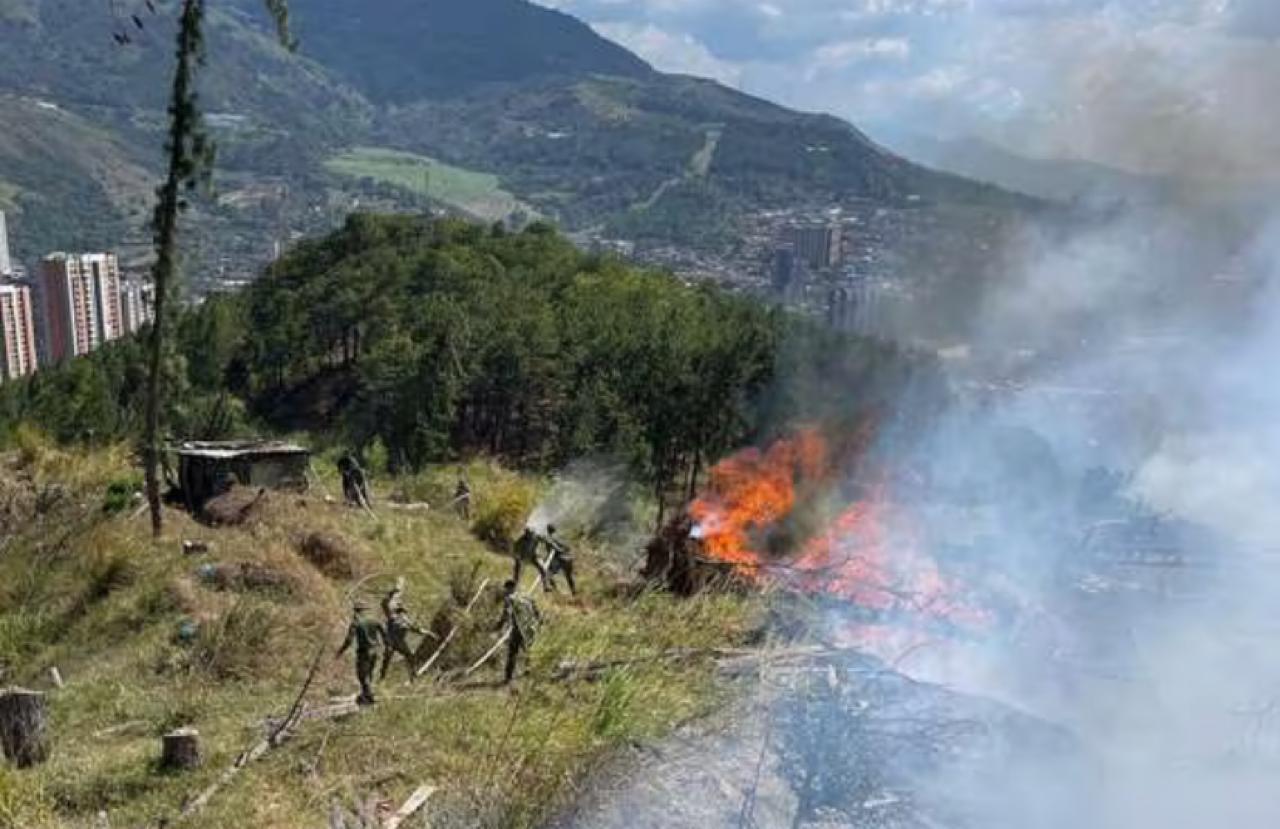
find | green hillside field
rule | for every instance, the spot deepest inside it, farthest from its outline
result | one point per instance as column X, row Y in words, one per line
column 476, row 193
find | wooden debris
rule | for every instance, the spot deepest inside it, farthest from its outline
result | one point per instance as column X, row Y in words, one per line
column 181, row 750
column 23, row 727
column 414, row 506
column 55, row 677
column 201, row 800
column 444, row 643
column 120, row 728
column 502, row 640
column 410, row 807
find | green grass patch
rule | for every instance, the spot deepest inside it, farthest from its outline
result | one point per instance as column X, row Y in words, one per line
column 479, row 194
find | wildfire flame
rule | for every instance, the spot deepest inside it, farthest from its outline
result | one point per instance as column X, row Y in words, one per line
column 867, row 554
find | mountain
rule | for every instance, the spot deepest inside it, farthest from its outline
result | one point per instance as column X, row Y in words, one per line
column 399, row 51
column 1066, row 180
column 488, row 106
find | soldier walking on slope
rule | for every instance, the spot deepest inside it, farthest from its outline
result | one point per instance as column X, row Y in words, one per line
column 399, row 624
column 369, row 639
column 355, row 483
column 462, row 497
column 520, row 615
column 526, row 552
column 561, row 559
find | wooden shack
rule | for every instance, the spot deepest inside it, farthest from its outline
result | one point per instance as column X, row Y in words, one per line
column 204, row 468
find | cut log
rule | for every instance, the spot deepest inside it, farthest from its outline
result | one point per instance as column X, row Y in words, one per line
column 181, row 750
column 23, row 727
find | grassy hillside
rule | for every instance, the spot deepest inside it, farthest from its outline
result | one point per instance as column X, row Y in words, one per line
column 477, row 194
column 65, row 181
column 573, row 125
column 146, row 645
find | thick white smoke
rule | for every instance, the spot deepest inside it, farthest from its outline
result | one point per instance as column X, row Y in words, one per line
column 1145, row 345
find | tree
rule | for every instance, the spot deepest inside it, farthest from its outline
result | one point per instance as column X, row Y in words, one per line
column 190, row 160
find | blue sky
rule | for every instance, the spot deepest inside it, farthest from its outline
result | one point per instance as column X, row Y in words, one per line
column 1153, row 85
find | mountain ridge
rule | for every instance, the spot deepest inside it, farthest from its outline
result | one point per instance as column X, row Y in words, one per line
column 573, row 125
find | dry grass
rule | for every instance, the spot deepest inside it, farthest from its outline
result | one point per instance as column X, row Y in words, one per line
column 147, row 643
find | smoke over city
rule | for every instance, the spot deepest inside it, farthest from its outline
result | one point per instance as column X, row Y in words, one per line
column 1137, row 520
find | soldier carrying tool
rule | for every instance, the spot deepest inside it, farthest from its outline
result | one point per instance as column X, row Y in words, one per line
column 521, row 618
column 561, row 558
column 399, row 624
column 355, row 483
column 525, row 551
column 369, row 639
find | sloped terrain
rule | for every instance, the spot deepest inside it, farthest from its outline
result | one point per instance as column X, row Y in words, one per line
column 220, row 638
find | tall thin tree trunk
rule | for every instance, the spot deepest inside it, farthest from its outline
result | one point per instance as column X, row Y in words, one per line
column 183, row 124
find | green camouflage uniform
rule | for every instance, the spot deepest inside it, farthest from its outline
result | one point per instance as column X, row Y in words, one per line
column 523, row 617
column 369, row 638
column 561, row 560
column 399, row 625
column 526, row 552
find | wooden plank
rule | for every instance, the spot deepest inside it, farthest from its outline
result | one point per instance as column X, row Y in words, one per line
column 410, row 807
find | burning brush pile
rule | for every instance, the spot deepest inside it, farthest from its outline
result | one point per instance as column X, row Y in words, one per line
column 807, row 515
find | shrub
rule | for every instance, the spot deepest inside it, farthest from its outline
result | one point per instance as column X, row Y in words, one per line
column 120, row 495
column 502, row 512
column 237, row 644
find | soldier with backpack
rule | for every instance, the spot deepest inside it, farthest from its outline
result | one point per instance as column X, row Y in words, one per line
column 521, row 618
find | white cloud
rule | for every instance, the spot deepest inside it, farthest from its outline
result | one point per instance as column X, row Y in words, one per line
column 1145, row 84
column 671, row 52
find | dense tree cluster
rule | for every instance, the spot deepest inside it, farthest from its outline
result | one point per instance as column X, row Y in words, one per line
column 441, row 338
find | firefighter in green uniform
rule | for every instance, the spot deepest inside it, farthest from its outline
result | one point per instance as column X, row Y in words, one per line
column 526, row 552
column 462, row 497
column 355, row 483
column 561, row 558
column 369, row 639
column 399, row 624
column 522, row 619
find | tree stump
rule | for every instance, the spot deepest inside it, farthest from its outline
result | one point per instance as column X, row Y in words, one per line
column 181, row 750
column 23, row 726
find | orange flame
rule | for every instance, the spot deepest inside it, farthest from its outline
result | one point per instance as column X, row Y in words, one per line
column 867, row 555
column 752, row 491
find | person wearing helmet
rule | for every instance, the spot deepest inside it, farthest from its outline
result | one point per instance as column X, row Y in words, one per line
column 370, row 640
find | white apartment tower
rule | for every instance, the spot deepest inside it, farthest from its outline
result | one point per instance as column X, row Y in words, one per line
column 137, row 303
column 6, row 265
column 80, row 294
column 17, row 331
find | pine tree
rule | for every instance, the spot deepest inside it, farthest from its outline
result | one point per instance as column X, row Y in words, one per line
column 190, row 160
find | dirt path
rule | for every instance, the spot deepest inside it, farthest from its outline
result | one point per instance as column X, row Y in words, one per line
column 699, row 166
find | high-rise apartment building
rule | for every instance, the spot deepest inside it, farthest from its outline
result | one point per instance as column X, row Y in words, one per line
column 6, row 265
column 818, row 246
column 137, row 303
column 17, row 331
column 80, row 300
